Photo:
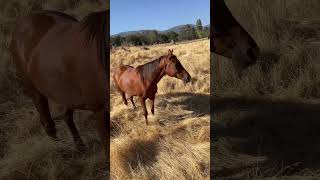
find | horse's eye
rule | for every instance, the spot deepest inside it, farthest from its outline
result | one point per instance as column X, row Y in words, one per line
column 178, row 65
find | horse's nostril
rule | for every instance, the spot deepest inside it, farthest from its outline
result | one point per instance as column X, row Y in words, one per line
column 251, row 54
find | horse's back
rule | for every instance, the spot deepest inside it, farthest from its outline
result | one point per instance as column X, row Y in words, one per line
column 51, row 51
column 30, row 30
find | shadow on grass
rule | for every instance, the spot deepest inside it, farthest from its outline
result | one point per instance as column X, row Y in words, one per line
column 195, row 102
column 285, row 132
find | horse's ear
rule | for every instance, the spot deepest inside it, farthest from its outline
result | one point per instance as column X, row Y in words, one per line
column 170, row 53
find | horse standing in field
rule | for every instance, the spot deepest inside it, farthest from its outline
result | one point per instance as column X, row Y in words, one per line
column 142, row 80
column 230, row 39
column 65, row 60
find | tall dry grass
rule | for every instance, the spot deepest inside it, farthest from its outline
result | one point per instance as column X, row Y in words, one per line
column 176, row 144
column 25, row 150
column 287, row 33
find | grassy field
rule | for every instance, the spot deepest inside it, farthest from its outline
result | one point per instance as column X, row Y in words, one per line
column 268, row 126
column 176, row 143
column 25, row 150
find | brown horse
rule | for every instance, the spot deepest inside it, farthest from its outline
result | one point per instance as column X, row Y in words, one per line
column 142, row 80
column 230, row 39
column 65, row 60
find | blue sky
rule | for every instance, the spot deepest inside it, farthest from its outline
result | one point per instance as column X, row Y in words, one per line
column 130, row 15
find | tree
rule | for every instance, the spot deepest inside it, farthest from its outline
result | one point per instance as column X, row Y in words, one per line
column 133, row 40
column 163, row 38
column 199, row 29
column 199, row 25
column 116, row 41
column 187, row 33
column 206, row 31
column 153, row 37
column 173, row 36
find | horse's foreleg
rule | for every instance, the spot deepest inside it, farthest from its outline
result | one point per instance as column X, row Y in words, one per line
column 145, row 112
column 41, row 103
column 123, row 95
column 103, row 129
column 152, row 105
column 72, row 127
column 131, row 99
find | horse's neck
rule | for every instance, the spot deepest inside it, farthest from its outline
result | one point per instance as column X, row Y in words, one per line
column 158, row 74
column 161, row 72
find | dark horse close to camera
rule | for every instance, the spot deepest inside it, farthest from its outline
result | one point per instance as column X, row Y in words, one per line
column 230, row 39
column 65, row 60
column 142, row 80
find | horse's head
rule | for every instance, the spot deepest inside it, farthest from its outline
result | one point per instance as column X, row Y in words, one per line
column 230, row 39
column 174, row 68
column 245, row 50
column 237, row 44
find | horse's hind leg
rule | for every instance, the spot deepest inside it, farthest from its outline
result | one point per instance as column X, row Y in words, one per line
column 72, row 127
column 123, row 95
column 145, row 112
column 41, row 103
column 131, row 99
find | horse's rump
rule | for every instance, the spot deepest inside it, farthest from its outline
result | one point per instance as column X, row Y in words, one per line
column 118, row 72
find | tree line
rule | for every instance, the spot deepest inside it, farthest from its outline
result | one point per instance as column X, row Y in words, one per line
column 186, row 32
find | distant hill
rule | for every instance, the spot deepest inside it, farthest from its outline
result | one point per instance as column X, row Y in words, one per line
column 127, row 33
column 148, row 37
column 176, row 29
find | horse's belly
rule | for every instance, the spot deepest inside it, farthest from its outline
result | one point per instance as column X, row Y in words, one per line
column 130, row 83
column 58, row 89
column 72, row 95
column 68, row 86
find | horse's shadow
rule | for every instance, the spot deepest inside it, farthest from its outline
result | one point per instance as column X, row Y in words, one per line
column 197, row 103
column 284, row 132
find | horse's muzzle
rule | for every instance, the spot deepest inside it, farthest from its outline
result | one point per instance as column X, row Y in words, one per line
column 187, row 79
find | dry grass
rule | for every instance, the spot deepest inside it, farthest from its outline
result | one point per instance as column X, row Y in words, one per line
column 277, row 140
column 289, row 41
column 176, row 144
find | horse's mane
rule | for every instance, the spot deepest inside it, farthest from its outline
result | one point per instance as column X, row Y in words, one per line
column 58, row 13
column 147, row 71
column 96, row 26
